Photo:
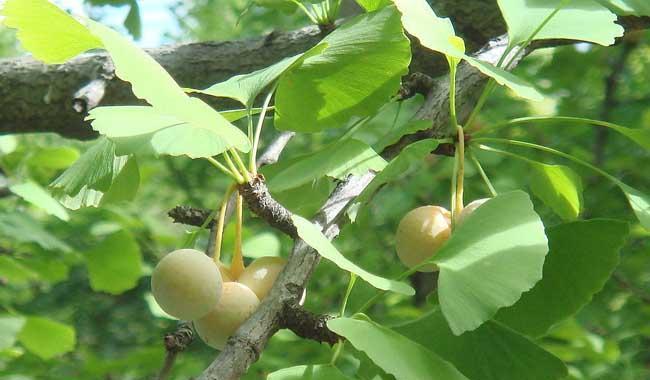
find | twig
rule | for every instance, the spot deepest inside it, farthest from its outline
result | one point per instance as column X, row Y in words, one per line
column 174, row 343
column 308, row 325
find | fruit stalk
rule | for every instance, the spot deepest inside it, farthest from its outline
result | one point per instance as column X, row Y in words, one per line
column 237, row 265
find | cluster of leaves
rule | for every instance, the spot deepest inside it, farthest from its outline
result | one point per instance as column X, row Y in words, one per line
column 505, row 280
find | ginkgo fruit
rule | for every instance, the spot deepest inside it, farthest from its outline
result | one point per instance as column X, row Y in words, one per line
column 469, row 209
column 261, row 274
column 186, row 284
column 237, row 304
column 420, row 234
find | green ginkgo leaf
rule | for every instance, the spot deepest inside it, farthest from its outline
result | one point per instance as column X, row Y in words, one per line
column 438, row 35
column 351, row 73
column 115, row 264
column 337, row 160
column 315, row 239
column 559, row 187
column 46, row 31
column 204, row 133
column 246, row 87
column 36, row 195
column 491, row 352
column 583, row 20
column 308, row 372
column 394, row 353
column 581, row 259
column 47, row 338
column 491, row 259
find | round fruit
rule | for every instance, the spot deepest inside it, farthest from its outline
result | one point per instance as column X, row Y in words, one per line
column 260, row 275
column 469, row 209
column 186, row 284
column 237, row 303
column 420, row 234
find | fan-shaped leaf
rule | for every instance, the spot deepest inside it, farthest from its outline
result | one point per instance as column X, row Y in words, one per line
column 582, row 257
column 315, row 239
column 494, row 256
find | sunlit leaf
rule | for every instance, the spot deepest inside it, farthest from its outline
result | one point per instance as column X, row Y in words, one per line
column 583, row 20
column 115, row 264
column 373, row 5
column 491, row 352
column 559, row 187
column 493, row 257
column 350, row 73
column 433, row 32
column 308, row 372
column 36, row 195
column 394, row 353
column 628, row 7
column 204, row 131
column 337, row 160
column 47, row 338
column 46, row 31
column 312, row 235
column 505, row 78
column 640, row 203
column 438, row 35
column 582, row 257
column 10, row 326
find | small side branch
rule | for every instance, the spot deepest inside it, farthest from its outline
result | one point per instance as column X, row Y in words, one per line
column 175, row 343
column 259, row 200
column 190, row 216
column 308, row 325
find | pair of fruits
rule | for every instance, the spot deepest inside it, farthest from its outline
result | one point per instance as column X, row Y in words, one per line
column 190, row 286
column 424, row 230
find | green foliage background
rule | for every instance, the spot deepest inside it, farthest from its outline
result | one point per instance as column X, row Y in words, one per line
column 119, row 336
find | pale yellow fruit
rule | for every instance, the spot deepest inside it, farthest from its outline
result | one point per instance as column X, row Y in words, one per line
column 469, row 210
column 237, row 303
column 260, row 275
column 186, row 284
column 420, row 234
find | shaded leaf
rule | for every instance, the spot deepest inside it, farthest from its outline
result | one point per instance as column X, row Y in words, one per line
column 394, row 353
column 315, row 239
column 246, row 87
column 491, row 352
column 559, row 187
column 36, row 195
column 115, row 264
column 54, row 158
column 308, row 372
column 55, row 41
column 395, row 168
column 94, row 169
column 640, row 203
column 337, row 160
column 350, row 73
column 22, row 228
column 14, row 272
column 47, row 338
column 495, row 255
column 583, row 20
column 582, row 257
